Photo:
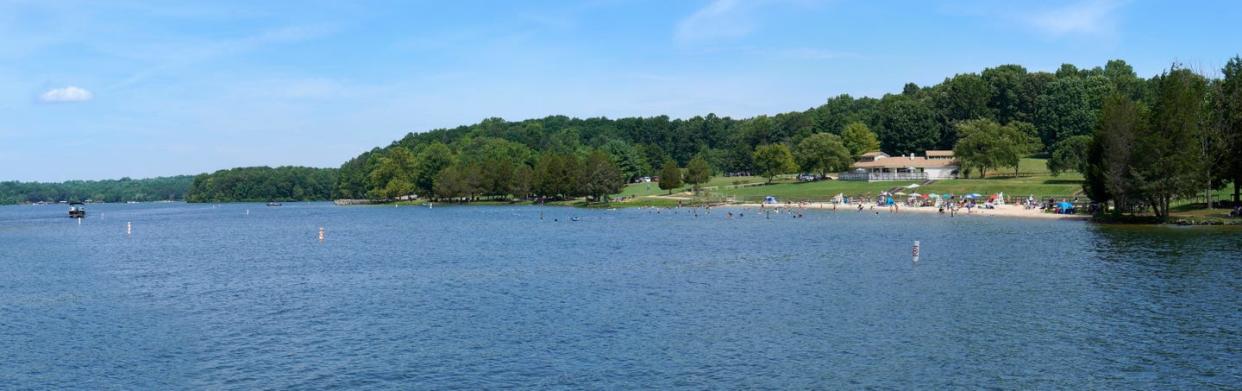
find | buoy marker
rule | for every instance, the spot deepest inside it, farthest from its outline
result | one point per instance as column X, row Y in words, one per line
column 320, row 234
column 129, row 228
column 915, row 251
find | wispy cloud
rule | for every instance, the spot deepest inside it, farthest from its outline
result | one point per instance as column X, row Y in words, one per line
column 719, row 19
column 66, row 95
column 1091, row 17
column 725, row 19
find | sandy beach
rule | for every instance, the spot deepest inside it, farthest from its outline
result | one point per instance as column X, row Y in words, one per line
column 999, row 211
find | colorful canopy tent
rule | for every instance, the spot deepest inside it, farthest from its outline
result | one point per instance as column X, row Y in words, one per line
column 1065, row 207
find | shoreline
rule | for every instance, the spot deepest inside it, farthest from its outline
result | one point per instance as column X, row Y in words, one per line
column 1000, row 211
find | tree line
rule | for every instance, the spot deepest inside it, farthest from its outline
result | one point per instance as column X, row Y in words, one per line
column 991, row 119
column 111, row 190
column 259, row 184
column 1181, row 141
column 1000, row 114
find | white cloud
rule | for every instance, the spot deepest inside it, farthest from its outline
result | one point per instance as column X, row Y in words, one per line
column 1094, row 17
column 66, row 94
column 719, row 19
column 722, row 19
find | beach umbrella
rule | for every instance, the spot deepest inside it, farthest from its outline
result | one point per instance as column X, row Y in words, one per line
column 913, row 186
column 976, row 195
column 899, row 193
column 969, row 196
column 915, row 195
column 1065, row 205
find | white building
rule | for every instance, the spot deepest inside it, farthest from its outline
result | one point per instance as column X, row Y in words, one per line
column 878, row 166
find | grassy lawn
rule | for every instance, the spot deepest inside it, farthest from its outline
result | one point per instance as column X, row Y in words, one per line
column 653, row 188
column 1033, row 178
column 819, row 190
column 1066, row 185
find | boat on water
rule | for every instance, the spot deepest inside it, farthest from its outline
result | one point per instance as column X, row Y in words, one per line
column 77, row 210
column 273, row 203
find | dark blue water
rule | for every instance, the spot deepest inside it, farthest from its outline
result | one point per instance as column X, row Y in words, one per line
column 493, row 297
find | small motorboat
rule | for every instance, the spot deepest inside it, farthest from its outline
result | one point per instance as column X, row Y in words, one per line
column 77, row 210
column 273, row 203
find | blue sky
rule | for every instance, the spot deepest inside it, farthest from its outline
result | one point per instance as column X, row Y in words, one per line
column 105, row 89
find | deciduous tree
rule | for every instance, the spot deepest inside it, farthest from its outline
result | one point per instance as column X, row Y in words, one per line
column 859, row 139
column 697, row 172
column 670, row 176
column 823, row 153
column 774, row 159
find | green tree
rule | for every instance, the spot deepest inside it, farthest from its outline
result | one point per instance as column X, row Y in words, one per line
column 859, row 139
column 496, row 175
column 962, row 97
column 394, row 175
column 520, row 183
column 985, row 144
column 601, row 177
column 1070, row 154
column 774, row 159
column 545, row 177
column 1112, row 154
column 1064, row 111
column 433, row 158
column 1168, row 163
column 907, row 126
column 697, row 172
column 1010, row 96
column 450, row 183
column 670, row 176
column 1124, row 80
column 627, row 158
column 823, row 153
column 1227, row 114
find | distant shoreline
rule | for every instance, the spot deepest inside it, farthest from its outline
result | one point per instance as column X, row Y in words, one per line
column 998, row 211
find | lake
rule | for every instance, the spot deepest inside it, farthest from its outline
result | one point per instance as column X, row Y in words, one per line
column 245, row 296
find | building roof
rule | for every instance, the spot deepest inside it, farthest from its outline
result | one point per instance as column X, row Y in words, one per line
column 874, row 154
column 906, row 161
column 934, row 153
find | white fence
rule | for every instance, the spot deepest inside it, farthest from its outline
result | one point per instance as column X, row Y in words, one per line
column 882, row 176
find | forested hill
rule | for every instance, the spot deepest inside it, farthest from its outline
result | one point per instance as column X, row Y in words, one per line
column 1052, row 106
column 258, row 184
column 112, row 190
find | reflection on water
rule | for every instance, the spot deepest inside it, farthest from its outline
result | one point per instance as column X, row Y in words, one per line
column 489, row 297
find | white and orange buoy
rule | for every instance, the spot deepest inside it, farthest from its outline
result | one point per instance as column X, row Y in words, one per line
column 915, row 251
